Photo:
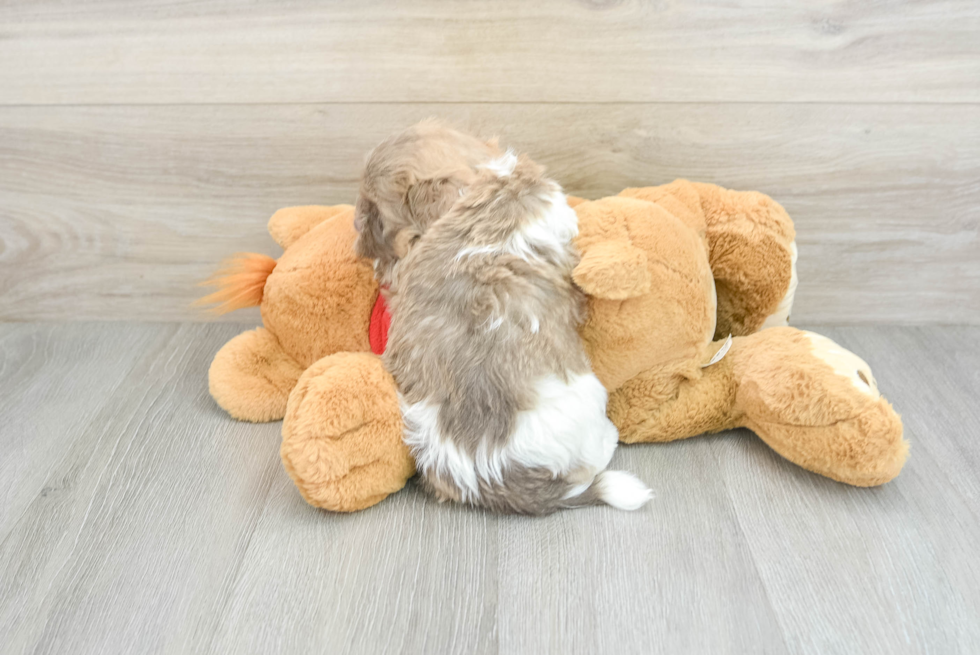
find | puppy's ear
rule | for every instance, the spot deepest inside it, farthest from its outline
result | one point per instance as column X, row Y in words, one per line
column 404, row 241
column 427, row 200
column 370, row 230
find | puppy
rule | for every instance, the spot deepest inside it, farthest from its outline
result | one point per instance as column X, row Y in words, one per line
column 409, row 181
column 501, row 408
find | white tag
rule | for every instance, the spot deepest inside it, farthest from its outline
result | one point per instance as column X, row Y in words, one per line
column 725, row 347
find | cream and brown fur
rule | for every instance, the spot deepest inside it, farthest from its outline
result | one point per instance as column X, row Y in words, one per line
column 409, row 181
column 501, row 407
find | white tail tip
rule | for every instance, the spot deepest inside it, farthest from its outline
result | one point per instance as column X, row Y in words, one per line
column 622, row 490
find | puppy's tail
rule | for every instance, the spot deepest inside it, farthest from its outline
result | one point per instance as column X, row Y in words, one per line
column 617, row 489
column 240, row 282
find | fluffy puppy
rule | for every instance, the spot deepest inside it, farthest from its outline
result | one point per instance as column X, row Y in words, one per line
column 409, row 181
column 501, row 407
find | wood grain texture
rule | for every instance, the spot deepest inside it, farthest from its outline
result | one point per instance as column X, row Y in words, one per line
column 147, row 506
column 665, row 580
column 55, row 384
column 158, row 52
column 117, row 212
column 836, row 547
column 163, row 526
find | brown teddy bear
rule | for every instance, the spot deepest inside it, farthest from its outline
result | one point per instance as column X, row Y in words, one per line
column 671, row 272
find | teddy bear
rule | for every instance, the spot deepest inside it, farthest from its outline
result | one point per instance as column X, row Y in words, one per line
column 689, row 290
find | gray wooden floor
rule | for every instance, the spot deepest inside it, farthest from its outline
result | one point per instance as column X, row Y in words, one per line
column 137, row 518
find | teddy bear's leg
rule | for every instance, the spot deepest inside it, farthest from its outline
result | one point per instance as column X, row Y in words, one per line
column 752, row 249
column 342, row 434
column 251, row 377
column 812, row 401
column 818, row 405
column 668, row 404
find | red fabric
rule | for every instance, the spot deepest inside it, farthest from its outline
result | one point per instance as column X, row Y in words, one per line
column 378, row 327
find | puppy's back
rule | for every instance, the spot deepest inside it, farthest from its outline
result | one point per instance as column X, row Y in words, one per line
column 500, row 404
column 488, row 292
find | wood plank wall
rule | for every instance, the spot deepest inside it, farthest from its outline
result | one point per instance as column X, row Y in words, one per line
column 142, row 141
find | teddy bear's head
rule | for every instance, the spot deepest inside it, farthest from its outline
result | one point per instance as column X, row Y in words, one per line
column 651, row 294
column 318, row 299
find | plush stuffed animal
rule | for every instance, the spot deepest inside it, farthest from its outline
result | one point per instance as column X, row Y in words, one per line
column 670, row 272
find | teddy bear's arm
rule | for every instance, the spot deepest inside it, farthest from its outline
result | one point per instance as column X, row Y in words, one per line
column 251, row 377
column 751, row 245
column 289, row 224
column 753, row 258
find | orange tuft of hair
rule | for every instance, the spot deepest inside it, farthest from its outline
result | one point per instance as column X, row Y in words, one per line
column 240, row 282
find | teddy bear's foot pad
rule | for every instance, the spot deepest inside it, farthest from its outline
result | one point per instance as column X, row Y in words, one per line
column 342, row 434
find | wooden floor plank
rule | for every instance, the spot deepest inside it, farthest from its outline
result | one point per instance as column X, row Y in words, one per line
column 602, row 581
column 134, row 545
column 174, row 529
column 549, row 50
column 53, row 384
column 931, row 376
column 408, row 576
column 825, row 549
column 117, row 212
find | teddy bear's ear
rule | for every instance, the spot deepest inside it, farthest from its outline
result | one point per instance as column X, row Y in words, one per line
column 613, row 270
column 287, row 225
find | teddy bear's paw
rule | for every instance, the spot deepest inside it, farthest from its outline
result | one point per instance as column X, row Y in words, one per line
column 251, row 377
column 818, row 405
column 864, row 450
column 342, row 434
